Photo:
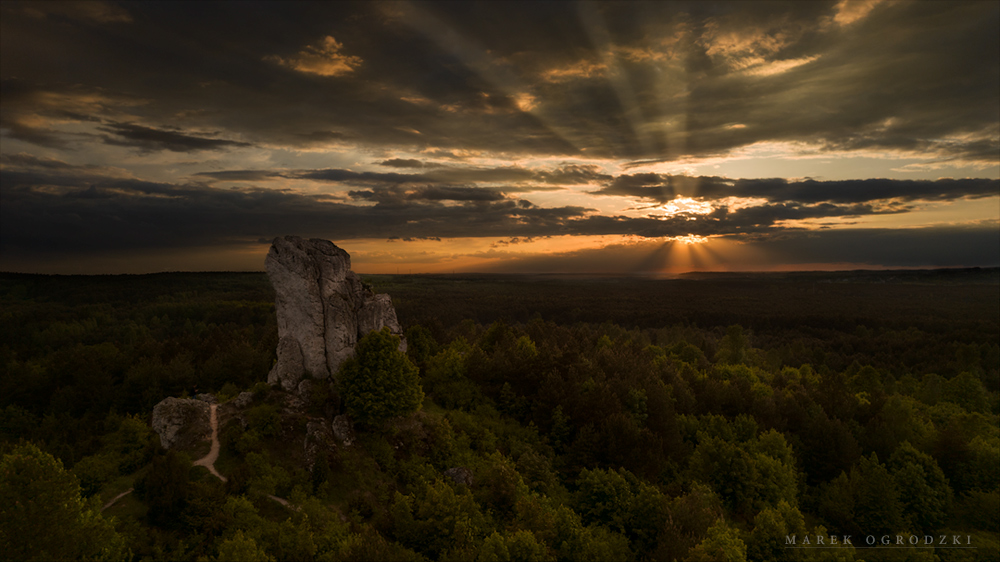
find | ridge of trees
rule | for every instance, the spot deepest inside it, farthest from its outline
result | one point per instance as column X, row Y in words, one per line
column 524, row 438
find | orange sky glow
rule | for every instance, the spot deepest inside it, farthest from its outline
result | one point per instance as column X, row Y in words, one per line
column 647, row 138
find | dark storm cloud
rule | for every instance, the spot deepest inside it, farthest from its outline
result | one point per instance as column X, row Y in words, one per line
column 514, row 178
column 320, row 137
column 426, row 89
column 35, row 135
column 662, row 188
column 398, row 196
column 148, row 138
column 634, row 81
column 411, row 239
column 402, row 163
column 762, row 220
column 89, row 11
column 241, row 175
column 349, row 177
column 907, row 76
column 55, row 208
column 514, row 240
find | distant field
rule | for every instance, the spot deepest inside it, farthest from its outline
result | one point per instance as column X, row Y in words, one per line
column 768, row 300
column 919, row 298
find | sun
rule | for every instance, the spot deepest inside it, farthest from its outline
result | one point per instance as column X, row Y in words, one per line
column 689, row 239
column 684, row 205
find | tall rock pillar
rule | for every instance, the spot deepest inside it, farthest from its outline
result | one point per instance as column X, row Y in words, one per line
column 322, row 307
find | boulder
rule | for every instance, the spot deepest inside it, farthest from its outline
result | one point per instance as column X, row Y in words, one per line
column 322, row 309
column 318, row 439
column 343, row 429
column 243, row 399
column 460, row 475
column 182, row 422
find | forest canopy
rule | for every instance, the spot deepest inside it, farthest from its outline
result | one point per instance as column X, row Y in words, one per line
column 529, row 419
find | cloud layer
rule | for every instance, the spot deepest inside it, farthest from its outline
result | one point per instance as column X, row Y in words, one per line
column 152, row 126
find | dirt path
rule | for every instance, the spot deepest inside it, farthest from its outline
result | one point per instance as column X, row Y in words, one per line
column 116, row 498
column 285, row 503
column 208, row 461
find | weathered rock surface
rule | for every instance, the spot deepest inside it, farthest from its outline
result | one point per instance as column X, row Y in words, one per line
column 318, row 439
column 181, row 421
column 243, row 399
column 322, row 308
column 343, row 429
column 460, row 475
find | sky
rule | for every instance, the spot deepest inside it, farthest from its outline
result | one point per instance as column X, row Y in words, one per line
column 649, row 138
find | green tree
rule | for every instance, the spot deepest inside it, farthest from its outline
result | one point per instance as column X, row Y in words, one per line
column 623, row 503
column 380, row 382
column 242, row 548
column 420, row 344
column 436, row 518
column 43, row 516
column 520, row 546
column 767, row 541
column 967, row 391
column 877, row 509
column 866, row 502
column 733, row 347
column 923, row 488
column 690, row 517
column 445, row 380
column 723, row 544
column 748, row 475
column 165, row 487
column 498, row 485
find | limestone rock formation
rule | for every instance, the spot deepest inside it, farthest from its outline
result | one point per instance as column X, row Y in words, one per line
column 322, row 307
column 318, row 439
column 460, row 475
column 243, row 399
column 343, row 429
column 181, row 421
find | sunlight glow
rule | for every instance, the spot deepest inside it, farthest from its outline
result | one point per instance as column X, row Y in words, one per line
column 689, row 239
column 685, row 205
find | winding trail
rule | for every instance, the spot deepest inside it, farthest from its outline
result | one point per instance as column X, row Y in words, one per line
column 285, row 503
column 116, row 498
column 208, row 461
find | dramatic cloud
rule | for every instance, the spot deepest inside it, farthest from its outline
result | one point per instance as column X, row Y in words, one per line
column 943, row 246
column 83, row 10
column 147, row 138
column 145, row 126
column 663, row 188
column 402, row 163
column 324, row 58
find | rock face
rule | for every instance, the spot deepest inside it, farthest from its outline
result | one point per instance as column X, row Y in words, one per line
column 460, row 475
column 181, row 421
column 343, row 429
column 322, row 307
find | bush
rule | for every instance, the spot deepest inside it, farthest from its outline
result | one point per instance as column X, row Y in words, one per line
column 380, row 382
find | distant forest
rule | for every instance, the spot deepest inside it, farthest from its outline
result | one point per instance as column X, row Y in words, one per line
column 707, row 417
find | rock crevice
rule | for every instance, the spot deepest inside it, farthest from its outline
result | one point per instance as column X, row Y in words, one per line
column 323, row 309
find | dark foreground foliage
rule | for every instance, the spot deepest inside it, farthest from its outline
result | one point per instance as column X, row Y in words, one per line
column 714, row 418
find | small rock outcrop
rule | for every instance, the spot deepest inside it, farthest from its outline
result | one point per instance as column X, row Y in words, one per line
column 318, row 439
column 181, row 421
column 243, row 399
column 343, row 429
column 322, row 308
column 460, row 475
